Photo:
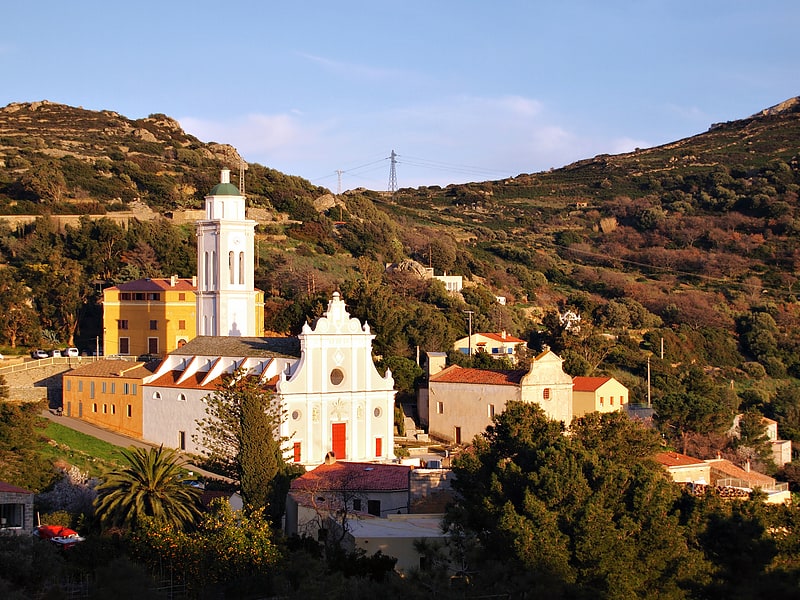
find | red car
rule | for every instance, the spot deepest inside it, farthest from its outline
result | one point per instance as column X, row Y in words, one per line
column 63, row 537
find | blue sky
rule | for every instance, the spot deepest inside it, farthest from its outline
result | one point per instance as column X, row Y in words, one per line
column 461, row 90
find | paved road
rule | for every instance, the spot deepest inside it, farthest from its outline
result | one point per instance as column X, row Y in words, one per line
column 116, row 439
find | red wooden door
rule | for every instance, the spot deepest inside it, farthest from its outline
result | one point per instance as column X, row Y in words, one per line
column 339, row 440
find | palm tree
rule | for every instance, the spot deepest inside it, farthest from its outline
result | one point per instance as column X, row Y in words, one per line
column 150, row 485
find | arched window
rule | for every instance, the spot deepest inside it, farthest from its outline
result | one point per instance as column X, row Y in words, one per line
column 181, row 397
column 214, row 270
column 206, row 273
column 156, row 395
column 230, row 265
column 241, row 268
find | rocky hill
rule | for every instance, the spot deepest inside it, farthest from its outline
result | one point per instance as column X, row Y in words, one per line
column 54, row 157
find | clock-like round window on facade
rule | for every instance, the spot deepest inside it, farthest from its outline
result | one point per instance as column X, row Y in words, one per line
column 295, row 415
column 377, row 411
column 337, row 376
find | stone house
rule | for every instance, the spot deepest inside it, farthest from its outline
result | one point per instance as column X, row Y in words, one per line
column 16, row 509
column 461, row 402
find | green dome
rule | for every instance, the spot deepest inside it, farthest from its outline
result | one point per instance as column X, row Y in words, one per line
column 225, row 189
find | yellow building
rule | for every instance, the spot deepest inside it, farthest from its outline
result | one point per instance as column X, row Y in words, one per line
column 597, row 394
column 107, row 393
column 149, row 316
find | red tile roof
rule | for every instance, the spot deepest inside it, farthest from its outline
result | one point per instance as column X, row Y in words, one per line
column 498, row 337
column 456, row 374
column 375, row 477
column 114, row 368
column 170, row 379
column 753, row 478
column 588, row 384
column 154, row 285
column 675, row 459
column 7, row 488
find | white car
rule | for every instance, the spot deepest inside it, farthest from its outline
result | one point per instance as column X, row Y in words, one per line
column 71, row 352
column 38, row 354
column 55, row 353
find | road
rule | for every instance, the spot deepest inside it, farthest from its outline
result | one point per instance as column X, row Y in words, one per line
column 118, row 439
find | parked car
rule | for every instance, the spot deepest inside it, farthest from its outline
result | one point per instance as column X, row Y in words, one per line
column 55, row 353
column 63, row 537
column 71, row 352
column 38, row 354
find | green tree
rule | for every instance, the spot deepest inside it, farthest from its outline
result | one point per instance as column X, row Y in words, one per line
column 227, row 550
column 98, row 245
column 150, row 484
column 681, row 413
column 21, row 463
column 46, row 182
column 241, row 437
column 61, row 291
column 19, row 323
column 573, row 512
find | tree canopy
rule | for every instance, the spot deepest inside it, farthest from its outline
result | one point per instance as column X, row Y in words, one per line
column 150, row 484
column 575, row 512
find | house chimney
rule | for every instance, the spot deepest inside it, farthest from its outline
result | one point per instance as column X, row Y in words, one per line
column 194, row 281
column 747, row 465
column 173, row 280
column 503, row 334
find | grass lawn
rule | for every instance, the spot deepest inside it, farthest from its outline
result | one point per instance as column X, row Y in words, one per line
column 83, row 451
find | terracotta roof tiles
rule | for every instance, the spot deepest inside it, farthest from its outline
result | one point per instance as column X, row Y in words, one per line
column 675, row 459
column 354, row 476
column 456, row 374
column 154, row 285
column 7, row 488
column 588, row 384
column 115, row 368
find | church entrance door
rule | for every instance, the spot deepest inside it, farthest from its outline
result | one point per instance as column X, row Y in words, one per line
column 339, row 440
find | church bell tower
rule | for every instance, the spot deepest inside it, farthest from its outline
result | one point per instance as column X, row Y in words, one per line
column 226, row 295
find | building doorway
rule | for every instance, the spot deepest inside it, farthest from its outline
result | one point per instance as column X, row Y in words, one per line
column 339, row 440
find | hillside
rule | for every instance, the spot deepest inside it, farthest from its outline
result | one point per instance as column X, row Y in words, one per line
column 61, row 159
column 694, row 243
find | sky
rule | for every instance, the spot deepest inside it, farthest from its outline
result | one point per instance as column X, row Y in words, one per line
column 460, row 90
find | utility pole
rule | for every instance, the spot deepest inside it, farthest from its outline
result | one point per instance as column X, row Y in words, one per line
column 393, row 173
column 469, row 313
column 648, row 383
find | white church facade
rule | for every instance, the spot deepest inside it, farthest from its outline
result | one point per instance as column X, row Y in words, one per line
column 334, row 399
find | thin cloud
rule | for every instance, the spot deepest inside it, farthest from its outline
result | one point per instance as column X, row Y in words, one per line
column 260, row 135
column 353, row 71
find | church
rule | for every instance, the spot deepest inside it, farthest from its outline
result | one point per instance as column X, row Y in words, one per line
column 335, row 401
